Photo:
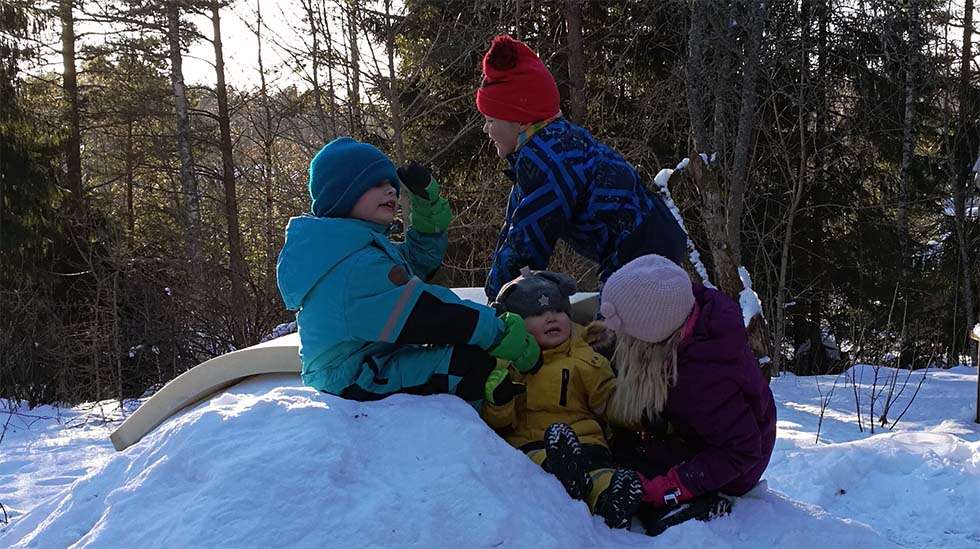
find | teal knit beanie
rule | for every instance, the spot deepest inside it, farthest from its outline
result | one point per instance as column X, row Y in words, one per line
column 342, row 171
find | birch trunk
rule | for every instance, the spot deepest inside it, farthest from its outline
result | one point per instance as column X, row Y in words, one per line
column 190, row 199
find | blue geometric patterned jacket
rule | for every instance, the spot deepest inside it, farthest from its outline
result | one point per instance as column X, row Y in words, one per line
column 569, row 186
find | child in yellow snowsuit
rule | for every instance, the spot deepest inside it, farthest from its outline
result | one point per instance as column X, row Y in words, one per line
column 557, row 420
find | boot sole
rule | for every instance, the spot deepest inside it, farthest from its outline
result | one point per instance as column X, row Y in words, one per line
column 621, row 500
column 566, row 461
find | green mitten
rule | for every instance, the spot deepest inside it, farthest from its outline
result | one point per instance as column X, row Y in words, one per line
column 499, row 388
column 517, row 346
column 431, row 216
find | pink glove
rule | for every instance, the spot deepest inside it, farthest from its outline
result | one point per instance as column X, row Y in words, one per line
column 666, row 490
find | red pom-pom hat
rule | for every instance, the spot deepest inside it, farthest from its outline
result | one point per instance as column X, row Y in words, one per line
column 516, row 87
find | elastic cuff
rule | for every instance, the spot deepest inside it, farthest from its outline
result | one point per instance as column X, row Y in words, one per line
column 489, row 330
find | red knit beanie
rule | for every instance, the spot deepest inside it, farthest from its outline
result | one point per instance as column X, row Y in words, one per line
column 516, row 87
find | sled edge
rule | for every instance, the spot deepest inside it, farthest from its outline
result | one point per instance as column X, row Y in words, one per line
column 202, row 381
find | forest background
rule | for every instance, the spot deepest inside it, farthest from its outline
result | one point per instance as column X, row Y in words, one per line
column 142, row 211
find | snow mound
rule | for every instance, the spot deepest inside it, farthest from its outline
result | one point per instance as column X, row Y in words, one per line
column 272, row 463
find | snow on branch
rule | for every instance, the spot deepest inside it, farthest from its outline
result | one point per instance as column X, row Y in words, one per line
column 661, row 181
column 747, row 298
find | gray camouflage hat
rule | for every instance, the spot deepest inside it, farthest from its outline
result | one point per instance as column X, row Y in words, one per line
column 535, row 292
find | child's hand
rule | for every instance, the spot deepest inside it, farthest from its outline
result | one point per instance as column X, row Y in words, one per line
column 430, row 212
column 500, row 389
column 416, row 178
column 665, row 490
column 517, row 346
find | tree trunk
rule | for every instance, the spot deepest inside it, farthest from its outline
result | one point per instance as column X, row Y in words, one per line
column 394, row 97
column 268, row 165
column 576, row 60
column 188, row 182
column 908, row 140
column 311, row 15
column 799, row 184
column 332, row 104
column 73, row 146
column 130, row 160
column 808, row 329
column 964, row 149
column 394, row 103
column 722, row 194
column 237, row 271
column 697, row 79
column 746, row 122
column 354, row 74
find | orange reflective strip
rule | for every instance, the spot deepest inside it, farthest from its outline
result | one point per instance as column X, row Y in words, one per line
column 399, row 308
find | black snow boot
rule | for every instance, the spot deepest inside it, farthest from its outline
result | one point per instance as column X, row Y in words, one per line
column 621, row 500
column 567, row 461
column 703, row 508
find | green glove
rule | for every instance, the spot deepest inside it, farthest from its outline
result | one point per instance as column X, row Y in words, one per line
column 499, row 388
column 517, row 346
column 431, row 216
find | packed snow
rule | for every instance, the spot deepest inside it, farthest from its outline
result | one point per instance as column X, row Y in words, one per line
column 269, row 462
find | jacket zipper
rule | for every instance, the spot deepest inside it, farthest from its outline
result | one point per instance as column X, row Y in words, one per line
column 563, row 399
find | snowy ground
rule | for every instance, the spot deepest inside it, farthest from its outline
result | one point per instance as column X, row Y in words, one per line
column 272, row 463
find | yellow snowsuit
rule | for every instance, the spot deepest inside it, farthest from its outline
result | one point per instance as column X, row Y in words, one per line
column 573, row 386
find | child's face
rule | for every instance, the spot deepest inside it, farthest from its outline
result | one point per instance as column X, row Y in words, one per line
column 503, row 134
column 550, row 328
column 377, row 205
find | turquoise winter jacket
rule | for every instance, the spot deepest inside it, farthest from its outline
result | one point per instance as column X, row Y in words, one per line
column 354, row 290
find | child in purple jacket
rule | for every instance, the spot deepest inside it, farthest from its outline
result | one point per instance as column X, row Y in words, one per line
column 684, row 364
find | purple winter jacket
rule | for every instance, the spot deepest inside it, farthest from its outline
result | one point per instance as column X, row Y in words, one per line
column 721, row 411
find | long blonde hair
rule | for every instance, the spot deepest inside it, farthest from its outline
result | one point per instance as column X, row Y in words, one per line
column 646, row 372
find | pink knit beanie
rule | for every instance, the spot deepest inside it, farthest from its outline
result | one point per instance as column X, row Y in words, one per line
column 649, row 298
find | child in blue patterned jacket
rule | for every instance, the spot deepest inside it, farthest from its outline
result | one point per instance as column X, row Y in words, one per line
column 567, row 185
column 369, row 326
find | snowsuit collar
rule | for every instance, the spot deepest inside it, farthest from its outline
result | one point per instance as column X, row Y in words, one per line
column 528, row 134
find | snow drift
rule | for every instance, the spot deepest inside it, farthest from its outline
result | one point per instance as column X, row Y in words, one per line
column 272, row 463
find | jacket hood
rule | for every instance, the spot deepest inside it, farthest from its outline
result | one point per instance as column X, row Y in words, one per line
column 719, row 334
column 313, row 247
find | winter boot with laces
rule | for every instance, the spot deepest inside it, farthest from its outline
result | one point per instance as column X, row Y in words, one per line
column 566, row 460
column 621, row 500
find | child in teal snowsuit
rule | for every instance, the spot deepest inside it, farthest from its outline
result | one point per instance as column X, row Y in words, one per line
column 369, row 326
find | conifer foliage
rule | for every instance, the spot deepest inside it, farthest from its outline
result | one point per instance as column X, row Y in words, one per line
column 142, row 210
